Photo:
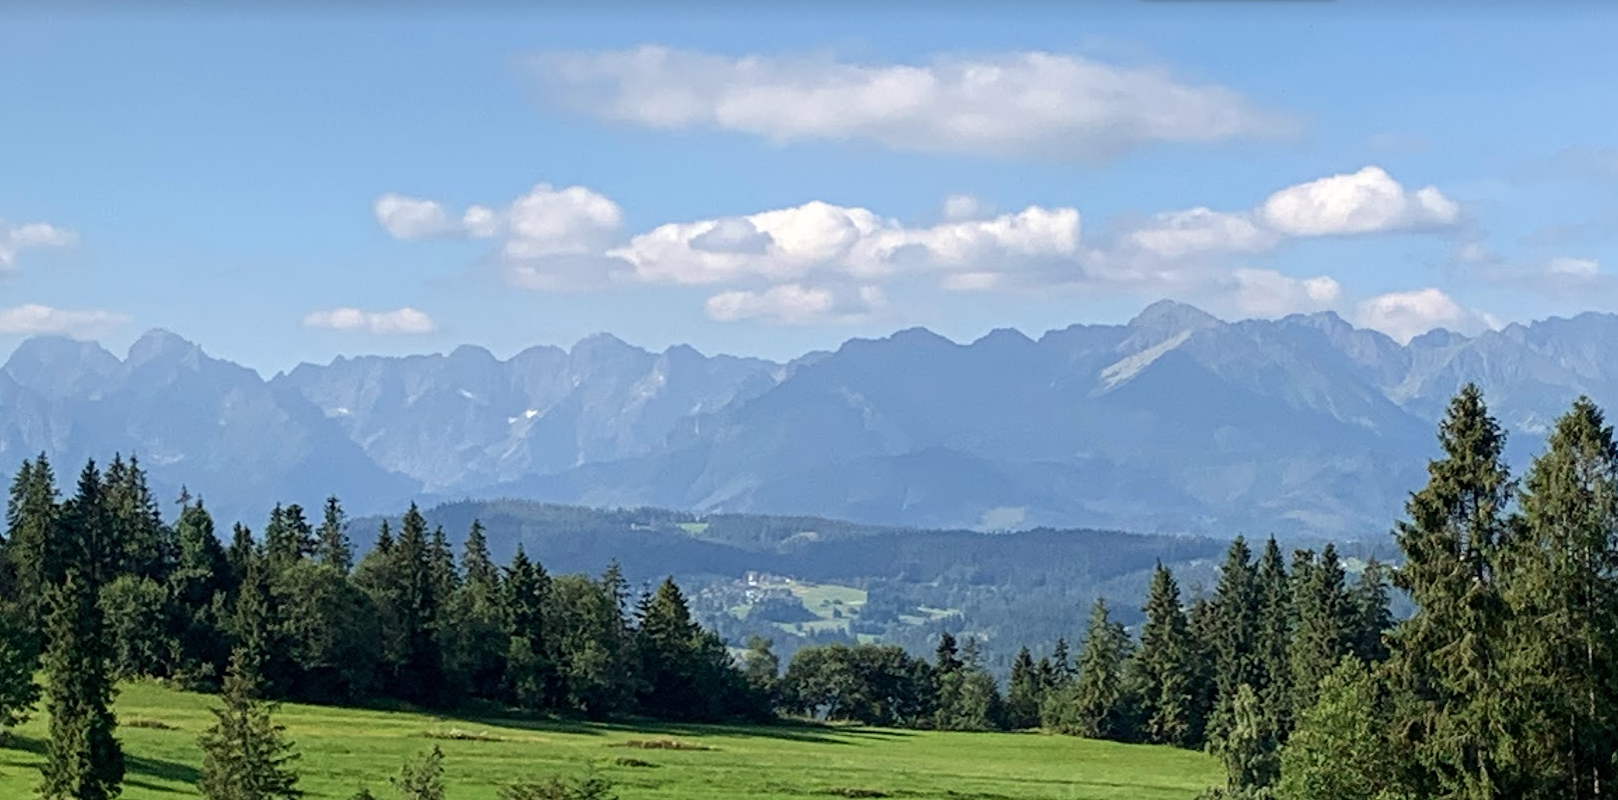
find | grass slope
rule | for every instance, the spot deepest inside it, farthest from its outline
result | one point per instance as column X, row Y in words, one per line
column 346, row 748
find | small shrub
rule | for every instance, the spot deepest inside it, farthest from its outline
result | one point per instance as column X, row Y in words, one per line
column 456, row 734
column 663, row 744
column 153, row 724
column 634, row 762
column 589, row 787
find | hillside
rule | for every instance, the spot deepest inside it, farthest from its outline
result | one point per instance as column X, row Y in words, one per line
column 344, row 749
column 1176, row 422
column 768, row 575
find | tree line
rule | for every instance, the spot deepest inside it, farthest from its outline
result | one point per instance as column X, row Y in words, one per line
column 1502, row 683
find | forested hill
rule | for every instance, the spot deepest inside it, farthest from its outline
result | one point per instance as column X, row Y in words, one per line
column 820, row 580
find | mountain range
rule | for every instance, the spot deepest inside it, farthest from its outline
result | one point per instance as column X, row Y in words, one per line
column 1174, row 422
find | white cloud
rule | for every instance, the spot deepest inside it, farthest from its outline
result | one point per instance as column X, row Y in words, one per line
column 405, row 320
column 33, row 318
column 1266, row 293
column 1406, row 315
column 1368, row 201
column 777, row 264
column 543, row 221
column 548, row 221
column 1572, row 268
column 1022, row 103
column 790, row 244
column 1199, row 231
column 16, row 238
column 796, row 304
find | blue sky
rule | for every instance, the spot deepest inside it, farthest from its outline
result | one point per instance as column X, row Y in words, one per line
column 286, row 186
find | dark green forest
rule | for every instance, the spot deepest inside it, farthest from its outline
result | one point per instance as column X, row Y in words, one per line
column 1500, row 683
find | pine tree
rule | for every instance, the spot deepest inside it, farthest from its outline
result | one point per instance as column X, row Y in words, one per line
column 477, row 632
column 1098, row 691
column 261, row 644
column 668, row 643
column 1233, row 628
column 1248, row 750
column 421, row 674
column 84, row 760
column 1325, row 619
column 245, row 755
column 1373, row 615
column 947, row 656
column 1447, row 655
column 280, row 538
column 1563, row 601
column 422, row 778
column 1162, row 671
column 241, row 552
column 333, row 545
column 1061, row 664
column 1025, row 691
column 530, row 672
column 148, row 546
column 1273, row 675
column 31, row 548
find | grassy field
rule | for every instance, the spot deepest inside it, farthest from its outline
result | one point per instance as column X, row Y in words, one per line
column 344, row 749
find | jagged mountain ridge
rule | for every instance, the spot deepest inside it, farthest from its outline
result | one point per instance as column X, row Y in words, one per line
column 1176, row 421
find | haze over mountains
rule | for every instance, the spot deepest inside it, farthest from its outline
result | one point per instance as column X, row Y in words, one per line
column 1174, row 422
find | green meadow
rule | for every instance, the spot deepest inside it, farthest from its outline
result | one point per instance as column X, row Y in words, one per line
column 344, row 749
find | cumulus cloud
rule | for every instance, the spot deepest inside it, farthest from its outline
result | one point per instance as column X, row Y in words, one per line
column 1368, row 201
column 1266, row 293
column 33, row 318
column 1406, row 315
column 796, row 304
column 542, row 221
column 1011, row 104
column 789, row 244
column 795, row 265
column 405, row 320
column 30, row 235
column 1200, row 231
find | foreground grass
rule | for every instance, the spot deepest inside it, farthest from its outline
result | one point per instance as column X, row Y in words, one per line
column 344, row 749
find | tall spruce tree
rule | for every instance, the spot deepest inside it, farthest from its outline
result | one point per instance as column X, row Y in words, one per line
column 1325, row 625
column 1563, row 601
column 1448, row 658
column 1024, row 692
column 84, row 760
column 1097, row 694
column 334, row 547
column 531, row 676
column 418, row 599
column 1373, row 613
column 34, row 556
column 1232, row 628
column 1162, row 671
column 1273, row 675
column 245, row 755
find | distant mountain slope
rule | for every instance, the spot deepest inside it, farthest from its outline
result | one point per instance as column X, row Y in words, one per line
column 1174, row 422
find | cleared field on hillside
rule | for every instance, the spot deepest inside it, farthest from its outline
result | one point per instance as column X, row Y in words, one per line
column 344, row 749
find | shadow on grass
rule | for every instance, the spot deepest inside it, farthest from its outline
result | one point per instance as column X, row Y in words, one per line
column 133, row 765
column 792, row 730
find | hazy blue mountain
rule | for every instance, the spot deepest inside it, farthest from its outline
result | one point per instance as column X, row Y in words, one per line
column 1176, row 422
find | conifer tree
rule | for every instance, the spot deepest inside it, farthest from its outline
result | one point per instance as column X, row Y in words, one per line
column 84, row 760
column 1061, row 664
column 148, row 546
column 1326, row 616
column 1233, row 631
column 1024, row 692
column 1248, row 749
column 1373, row 615
column 241, row 552
column 1162, row 672
column 530, row 671
column 333, row 545
column 1563, row 601
column 1097, row 694
column 417, row 610
column 1447, row 655
column 1273, row 676
column 245, row 755
column 477, row 632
